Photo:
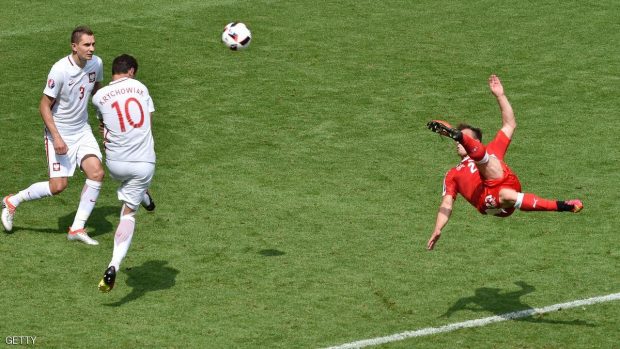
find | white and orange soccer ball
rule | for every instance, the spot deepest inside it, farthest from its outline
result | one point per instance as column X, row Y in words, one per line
column 236, row 36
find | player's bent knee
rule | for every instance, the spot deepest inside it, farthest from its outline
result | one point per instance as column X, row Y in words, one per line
column 491, row 169
column 96, row 175
column 507, row 197
column 58, row 186
column 92, row 167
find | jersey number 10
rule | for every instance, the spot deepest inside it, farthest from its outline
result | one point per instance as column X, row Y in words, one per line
column 127, row 115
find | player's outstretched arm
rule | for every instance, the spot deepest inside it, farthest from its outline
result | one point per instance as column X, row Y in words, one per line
column 443, row 216
column 509, row 123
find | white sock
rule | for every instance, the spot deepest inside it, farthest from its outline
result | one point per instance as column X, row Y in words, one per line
column 519, row 201
column 122, row 240
column 35, row 191
column 89, row 196
column 484, row 160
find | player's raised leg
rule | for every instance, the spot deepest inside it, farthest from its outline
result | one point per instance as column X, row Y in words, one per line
column 467, row 144
column 475, row 149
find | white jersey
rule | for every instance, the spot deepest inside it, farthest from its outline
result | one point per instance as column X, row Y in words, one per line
column 125, row 108
column 71, row 86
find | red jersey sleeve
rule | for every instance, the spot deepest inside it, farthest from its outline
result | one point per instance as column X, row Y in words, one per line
column 449, row 184
column 499, row 145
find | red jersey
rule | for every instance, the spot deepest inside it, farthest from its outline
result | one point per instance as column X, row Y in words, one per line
column 465, row 179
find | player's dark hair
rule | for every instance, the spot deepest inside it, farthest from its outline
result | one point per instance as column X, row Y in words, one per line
column 475, row 130
column 78, row 32
column 123, row 63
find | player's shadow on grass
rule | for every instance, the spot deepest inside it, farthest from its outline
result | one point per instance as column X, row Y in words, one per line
column 150, row 276
column 271, row 252
column 97, row 224
column 506, row 304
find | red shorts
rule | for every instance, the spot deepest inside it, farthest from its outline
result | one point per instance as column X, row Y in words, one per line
column 488, row 201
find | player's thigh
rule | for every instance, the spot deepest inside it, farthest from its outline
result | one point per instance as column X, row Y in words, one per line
column 492, row 169
column 507, row 197
column 89, row 155
column 135, row 178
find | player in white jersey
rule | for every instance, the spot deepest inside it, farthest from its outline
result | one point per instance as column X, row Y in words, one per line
column 124, row 108
column 69, row 140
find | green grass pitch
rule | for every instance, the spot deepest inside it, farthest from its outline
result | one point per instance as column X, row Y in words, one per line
column 297, row 185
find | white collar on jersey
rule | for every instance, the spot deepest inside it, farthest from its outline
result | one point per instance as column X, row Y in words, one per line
column 118, row 80
column 74, row 64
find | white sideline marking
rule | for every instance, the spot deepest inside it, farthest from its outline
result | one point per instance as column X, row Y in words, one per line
column 477, row 323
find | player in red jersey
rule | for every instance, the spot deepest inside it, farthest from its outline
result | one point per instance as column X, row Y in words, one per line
column 482, row 176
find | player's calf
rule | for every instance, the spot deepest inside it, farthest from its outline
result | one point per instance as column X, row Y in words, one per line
column 531, row 202
column 474, row 148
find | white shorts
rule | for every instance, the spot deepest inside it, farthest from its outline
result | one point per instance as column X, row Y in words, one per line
column 79, row 145
column 135, row 178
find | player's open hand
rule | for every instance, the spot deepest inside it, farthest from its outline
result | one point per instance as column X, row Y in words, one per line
column 496, row 85
column 433, row 240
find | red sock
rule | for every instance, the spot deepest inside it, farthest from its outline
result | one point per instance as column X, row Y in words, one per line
column 475, row 149
column 532, row 202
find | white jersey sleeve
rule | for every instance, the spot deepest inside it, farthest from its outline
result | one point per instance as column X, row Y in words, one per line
column 125, row 107
column 55, row 80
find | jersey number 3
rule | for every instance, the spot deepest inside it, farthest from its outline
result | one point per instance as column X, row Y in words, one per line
column 127, row 115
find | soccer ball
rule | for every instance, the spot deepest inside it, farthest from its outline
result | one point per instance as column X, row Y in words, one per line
column 236, row 36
